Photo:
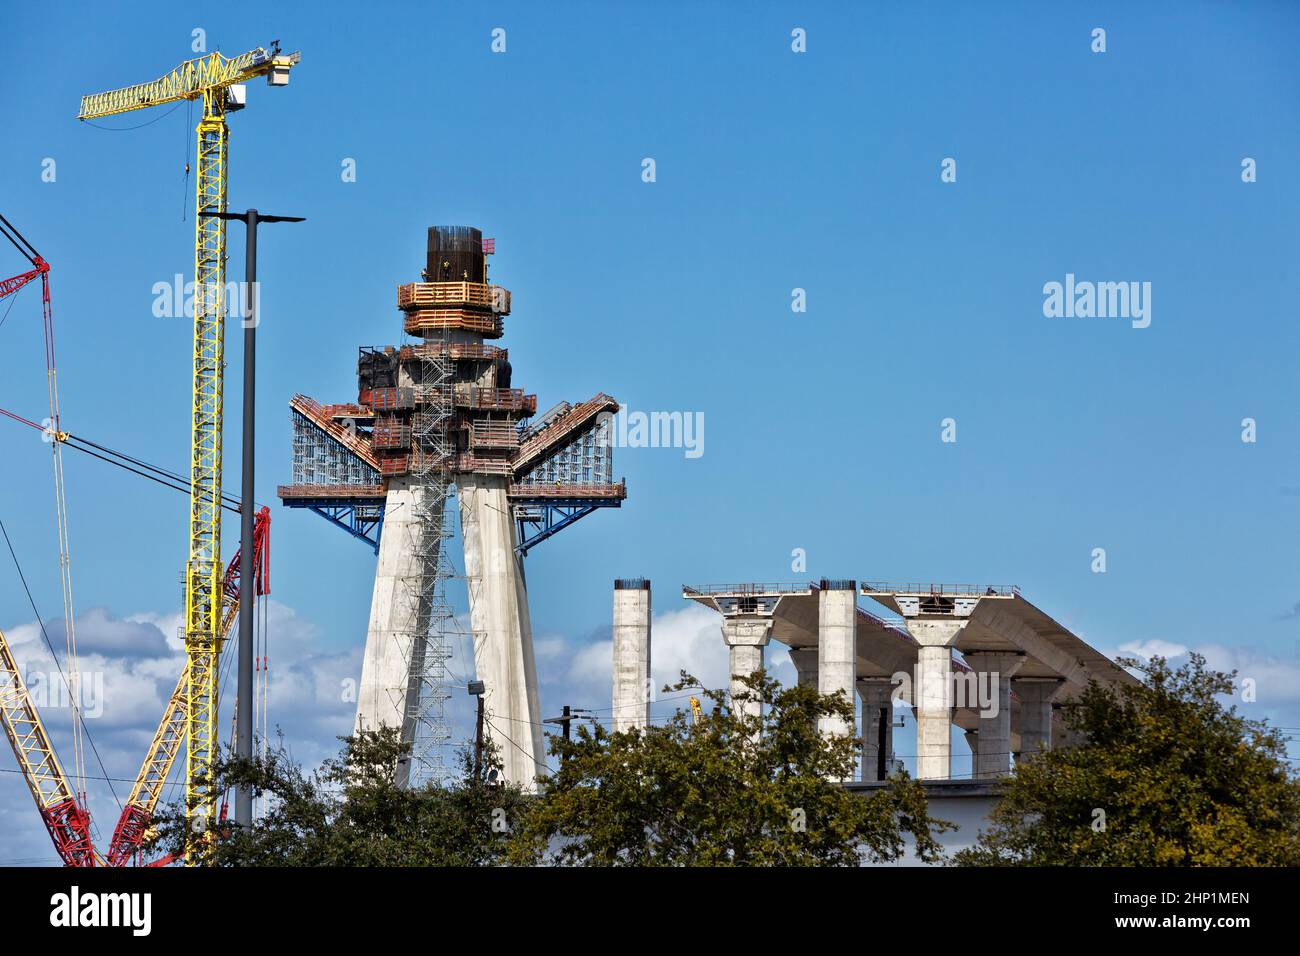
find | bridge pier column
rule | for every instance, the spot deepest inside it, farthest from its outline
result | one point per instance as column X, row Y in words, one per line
column 993, row 670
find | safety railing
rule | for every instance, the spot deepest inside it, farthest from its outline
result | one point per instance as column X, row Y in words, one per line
column 330, row 491
column 421, row 295
column 943, row 590
column 746, row 589
column 526, row 490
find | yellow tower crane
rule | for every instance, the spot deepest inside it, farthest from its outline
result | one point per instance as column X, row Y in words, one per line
column 215, row 79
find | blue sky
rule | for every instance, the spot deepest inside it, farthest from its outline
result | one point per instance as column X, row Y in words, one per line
column 775, row 171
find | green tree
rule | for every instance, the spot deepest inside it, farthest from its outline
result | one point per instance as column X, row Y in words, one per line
column 730, row 790
column 1168, row 776
column 351, row 812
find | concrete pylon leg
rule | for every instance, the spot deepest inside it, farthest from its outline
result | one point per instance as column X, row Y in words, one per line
column 1035, row 714
column 805, row 665
column 837, row 610
column 746, row 637
column 994, row 671
column 384, row 698
column 877, row 724
column 632, row 688
column 503, row 635
column 933, row 694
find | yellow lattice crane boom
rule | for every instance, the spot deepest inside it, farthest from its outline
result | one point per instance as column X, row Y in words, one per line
column 214, row 79
column 65, row 817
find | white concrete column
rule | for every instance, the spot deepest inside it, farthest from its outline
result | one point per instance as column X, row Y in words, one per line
column 1035, row 698
column 384, row 697
column 746, row 637
column 632, row 688
column 932, row 693
column 993, row 671
column 877, row 716
column 503, row 633
column 805, row 665
column 837, row 629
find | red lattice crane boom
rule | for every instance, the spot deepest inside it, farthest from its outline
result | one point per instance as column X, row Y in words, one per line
column 137, row 815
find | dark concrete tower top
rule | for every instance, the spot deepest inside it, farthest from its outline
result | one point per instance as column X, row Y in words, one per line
column 455, row 255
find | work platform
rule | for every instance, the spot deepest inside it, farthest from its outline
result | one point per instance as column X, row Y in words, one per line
column 339, row 474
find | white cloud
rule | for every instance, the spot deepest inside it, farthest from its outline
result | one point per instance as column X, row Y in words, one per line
column 128, row 667
column 1276, row 679
column 688, row 639
column 1150, row 648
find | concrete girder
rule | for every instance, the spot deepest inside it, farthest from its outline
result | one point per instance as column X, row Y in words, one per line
column 880, row 651
column 1016, row 634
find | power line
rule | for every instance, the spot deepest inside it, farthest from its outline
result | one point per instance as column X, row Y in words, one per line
column 119, row 459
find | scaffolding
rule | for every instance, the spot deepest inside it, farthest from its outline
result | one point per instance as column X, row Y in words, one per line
column 585, row 460
column 427, row 634
column 320, row 458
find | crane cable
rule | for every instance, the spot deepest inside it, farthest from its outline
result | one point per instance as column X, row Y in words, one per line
column 65, row 544
column 28, row 252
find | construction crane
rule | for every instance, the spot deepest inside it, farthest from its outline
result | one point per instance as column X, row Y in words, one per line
column 62, row 805
column 696, row 713
column 64, row 813
column 137, row 815
column 216, row 80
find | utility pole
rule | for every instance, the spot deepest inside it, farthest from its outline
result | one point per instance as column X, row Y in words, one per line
column 567, row 716
column 244, row 701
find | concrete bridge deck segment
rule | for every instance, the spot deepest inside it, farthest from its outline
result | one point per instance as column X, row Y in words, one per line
column 1030, row 663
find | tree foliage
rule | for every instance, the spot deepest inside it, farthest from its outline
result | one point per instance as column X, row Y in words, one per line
column 351, row 812
column 731, row 790
column 1168, row 776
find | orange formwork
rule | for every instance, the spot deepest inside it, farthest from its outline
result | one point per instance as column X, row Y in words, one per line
column 425, row 321
column 469, row 295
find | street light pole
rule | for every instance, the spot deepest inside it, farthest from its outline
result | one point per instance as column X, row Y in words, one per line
column 477, row 689
column 247, row 576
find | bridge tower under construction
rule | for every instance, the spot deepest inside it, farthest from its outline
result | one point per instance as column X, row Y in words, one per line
column 435, row 417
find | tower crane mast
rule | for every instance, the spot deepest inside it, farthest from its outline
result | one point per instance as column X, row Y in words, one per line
column 213, row 79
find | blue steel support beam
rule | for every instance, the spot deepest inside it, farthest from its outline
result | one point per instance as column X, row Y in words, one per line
column 553, row 517
column 344, row 514
column 347, row 519
column 549, row 516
